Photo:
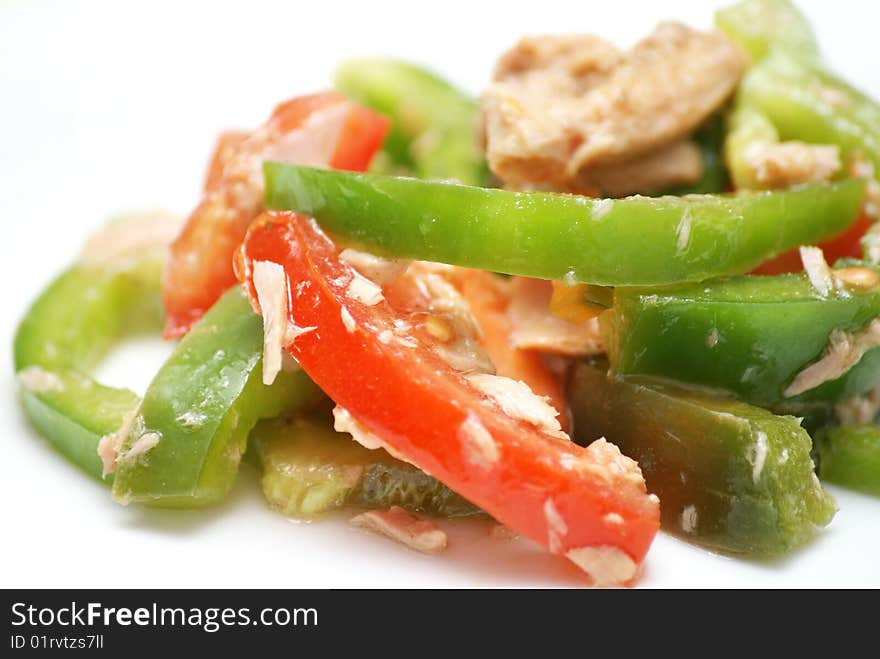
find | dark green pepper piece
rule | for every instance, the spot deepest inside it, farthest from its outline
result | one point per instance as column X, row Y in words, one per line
column 730, row 476
column 748, row 336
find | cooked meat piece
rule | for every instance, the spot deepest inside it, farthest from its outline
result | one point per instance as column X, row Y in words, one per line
column 527, row 134
column 536, row 328
column 789, row 163
column 420, row 534
column 574, row 63
column 678, row 164
column 667, row 85
column 563, row 105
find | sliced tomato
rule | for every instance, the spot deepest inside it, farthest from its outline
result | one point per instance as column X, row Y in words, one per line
column 844, row 245
column 320, row 130
column 589, row 504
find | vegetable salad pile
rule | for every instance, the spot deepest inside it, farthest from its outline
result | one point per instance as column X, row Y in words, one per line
column 587, row 304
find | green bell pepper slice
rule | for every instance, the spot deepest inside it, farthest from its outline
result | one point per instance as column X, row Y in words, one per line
column 62, row 338
column 760, row 26
column 199, row 409
column 748, row 129
column 850, row 456
column 620, row 242
column 308, row 469
column 805, row 102
column 787, row 94
column 748, row 336
column 433, row 130
column 730, row 476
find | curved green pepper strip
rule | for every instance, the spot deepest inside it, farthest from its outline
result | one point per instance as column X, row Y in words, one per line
column 749, row 336
column 747, row 130
column 787, row 95
column 806, row 103
column 621, row 242
column 184, row 446
column 64, row 335
column 850, row 456
column 871, row 245
column 730, row 476
column 433, row 123
column 760, row 26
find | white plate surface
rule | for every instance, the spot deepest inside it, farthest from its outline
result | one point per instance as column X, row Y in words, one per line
column 109, row 106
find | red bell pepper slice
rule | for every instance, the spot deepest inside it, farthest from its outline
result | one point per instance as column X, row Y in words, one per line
column 489, row 306
column 228, row 143
column 589, row 504
column 324, row 129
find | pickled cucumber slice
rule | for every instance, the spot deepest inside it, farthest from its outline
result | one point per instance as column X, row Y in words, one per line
column 308, row 469
column 730, row 476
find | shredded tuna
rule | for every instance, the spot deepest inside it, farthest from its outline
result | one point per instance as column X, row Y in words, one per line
column 375, row 268
column 39, row 381
column 577, row 61
column 562, row 108
column 683, row 231
column 110, row 445
column 817, row 270
column 858, row 410
column 759, row 456
column 397, row 524
column 861, row 167
column 270, row 282
column 784, row 164
column 291, row 334
column 607, row 566
column 844, row 351
column 712, row 337
column 364, row 290
column 535, row 327
column 613, row 519
column 347, row 320
column 140, row 446
column 557, row 529
column 477, row 442
column 677, row 164
column 601, row 208
column 689, row 519
column 343, row 421
column 131, row 235
column 604, row 461
column 517, row 400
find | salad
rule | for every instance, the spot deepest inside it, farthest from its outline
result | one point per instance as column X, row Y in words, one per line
column 590, row 304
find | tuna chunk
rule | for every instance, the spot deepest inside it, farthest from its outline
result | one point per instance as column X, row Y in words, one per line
column 574, row 112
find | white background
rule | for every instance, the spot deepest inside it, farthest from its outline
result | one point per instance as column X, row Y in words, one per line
column 113, row 106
